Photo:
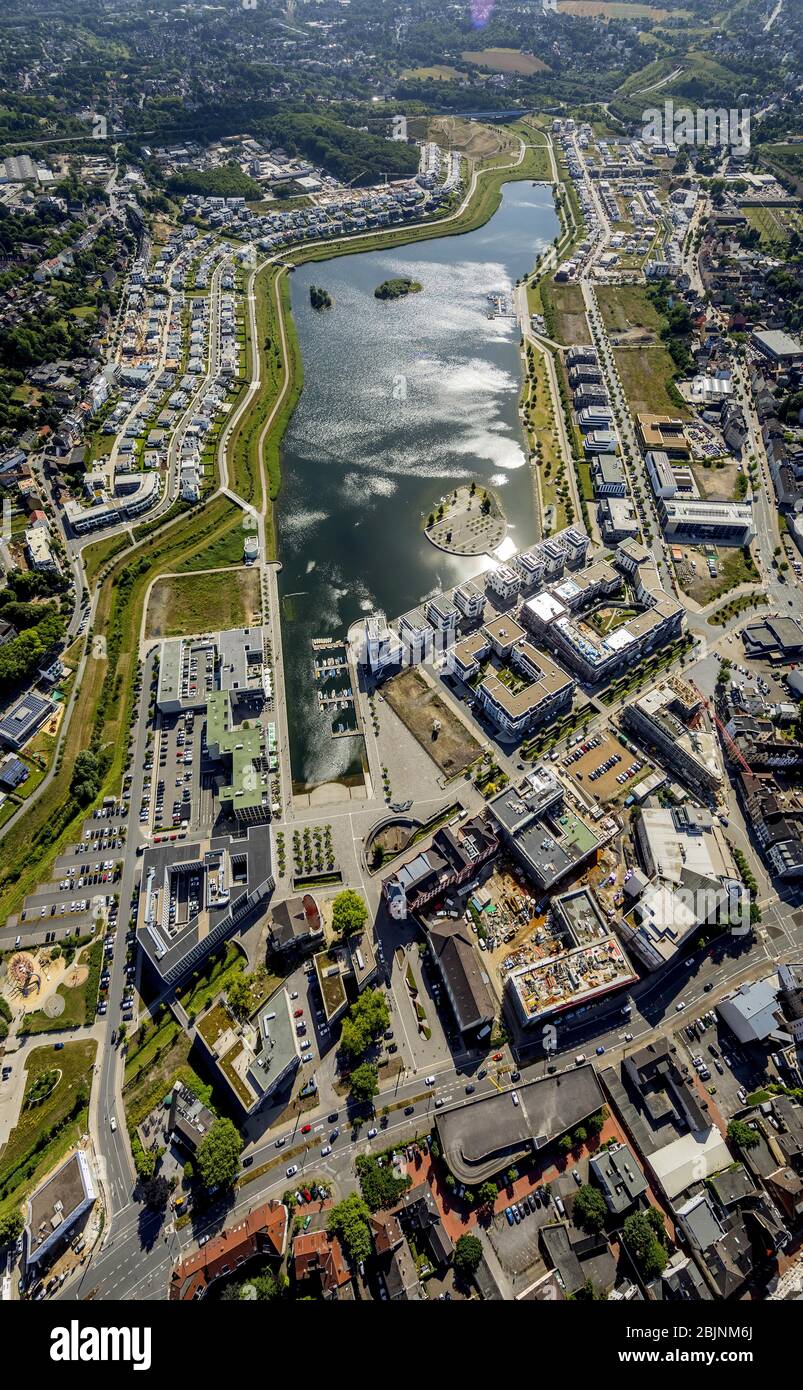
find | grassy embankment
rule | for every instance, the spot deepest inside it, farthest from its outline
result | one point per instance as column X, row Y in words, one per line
column 45, row 1132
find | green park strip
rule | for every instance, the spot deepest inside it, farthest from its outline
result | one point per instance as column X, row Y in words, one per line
column 103, row 712
column 98, row 554
column 253, row 455
column 44, row 1132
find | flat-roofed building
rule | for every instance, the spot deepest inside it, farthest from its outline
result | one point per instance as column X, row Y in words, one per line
column 693, row 882
column 661, row 473
column 417, row 636
column 505, row 581
column 470, row 600
column 24, row 719
column 443, row 614
column 55, row 1210
column 381, row 647
column 778, row 347
column 550, row 840
column 666, row 433
column 541, row 693
column 256, row 1057
column 700, row 519
column 663, row 718
column 608, row 476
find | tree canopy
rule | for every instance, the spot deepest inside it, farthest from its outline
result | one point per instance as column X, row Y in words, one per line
column 219, row 1154
column 467, row 1255
column 349, row 1221
column 349, row 912
column 367, row 1018
column 364, row 1082
column 589, row 1209
column 645, row 1237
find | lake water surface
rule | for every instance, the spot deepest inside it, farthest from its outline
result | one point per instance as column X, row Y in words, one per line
column 402, row 400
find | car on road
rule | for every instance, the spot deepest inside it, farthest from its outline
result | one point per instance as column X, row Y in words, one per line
column 327, row 1149
column 680, row 1006
column 628, row 1037
column 248, row 1161
column 576, row 1176
column 439, row 1102
column 280, row 1143
column 203, row 1239
column 372, row 1133
column 409, row 1109
column 333, row 1117
column 514, row 1097
column 305, row 1129
column 429, row 1081
column 298, row 1013
column 600, row 1050
column 470, row 1090
column 497, row 1057
column 112, row 1124
column 292, row 1170
column 515, row 1076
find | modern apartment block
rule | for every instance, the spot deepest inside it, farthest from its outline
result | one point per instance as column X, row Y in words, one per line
column 668, row 718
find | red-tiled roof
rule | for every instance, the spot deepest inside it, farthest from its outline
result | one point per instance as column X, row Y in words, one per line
column 262, row 1231
column 318, row 1252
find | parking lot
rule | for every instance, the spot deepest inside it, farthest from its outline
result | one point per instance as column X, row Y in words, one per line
column 84, row 877
column 170, row 788
column 603, row 768
column 734, row 1070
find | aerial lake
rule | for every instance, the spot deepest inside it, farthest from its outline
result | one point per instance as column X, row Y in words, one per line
column 402, row 400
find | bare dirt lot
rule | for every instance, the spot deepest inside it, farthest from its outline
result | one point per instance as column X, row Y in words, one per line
column 469, row 137
column 418, row 707
column 717, row 482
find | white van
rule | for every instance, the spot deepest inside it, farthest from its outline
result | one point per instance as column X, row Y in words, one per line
column 579, row 1059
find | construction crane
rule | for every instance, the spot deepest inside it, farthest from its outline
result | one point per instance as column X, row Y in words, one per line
column 732, row 747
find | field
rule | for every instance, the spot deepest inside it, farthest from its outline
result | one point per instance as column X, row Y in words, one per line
column 504, row 60
column 180, row 606
column 418, row 706
column 626, row 308
column 248, row 464
column 617, row 9
column 571, row 324
column 97, row 555
column 773, row 224
column 646, row 373
column 45, row 1132
column 225, row 550
column 440, row 72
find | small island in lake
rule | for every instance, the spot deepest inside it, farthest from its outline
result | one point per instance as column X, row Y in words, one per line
column 397, row 289
column 319, row 298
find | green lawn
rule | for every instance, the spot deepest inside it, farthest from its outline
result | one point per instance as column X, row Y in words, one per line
column 188, row 603
column 44, row 1132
